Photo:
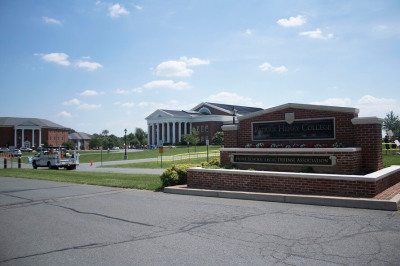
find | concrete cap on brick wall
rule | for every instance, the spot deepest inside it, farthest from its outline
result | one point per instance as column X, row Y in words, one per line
column 230, row 127
column 367, row 120
column 301, row 106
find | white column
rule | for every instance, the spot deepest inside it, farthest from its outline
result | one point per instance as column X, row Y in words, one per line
column 180, row 131
column 190, row 128
column 23, row 138
column 173, row 133
column 158, row 133
column 163, row 133
column 40, row 137
column 148, row 134
column 33, row 138
column 152, row 133
column 168, row 133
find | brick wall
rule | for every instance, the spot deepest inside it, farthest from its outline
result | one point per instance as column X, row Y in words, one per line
column 348, row 161
column 269, row 182
column 344, row 131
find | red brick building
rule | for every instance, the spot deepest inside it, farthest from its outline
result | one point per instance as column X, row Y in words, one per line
column 168, row 126
column 30, row 132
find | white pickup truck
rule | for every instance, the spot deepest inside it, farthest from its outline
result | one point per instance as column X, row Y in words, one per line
column 55, row 158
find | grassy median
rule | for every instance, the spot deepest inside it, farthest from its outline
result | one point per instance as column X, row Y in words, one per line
column 138, row 181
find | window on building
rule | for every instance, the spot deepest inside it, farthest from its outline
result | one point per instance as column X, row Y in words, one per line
column 202, row 138
column 202, row 128
column 205, row 111
column 206, row 128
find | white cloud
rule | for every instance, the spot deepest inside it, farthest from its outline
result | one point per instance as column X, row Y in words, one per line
column 173, row 69
column 72, row 102
column 371, row 106
column 248, row 32
column 170, row 105
column 232, row 98
column 90, row 93
column 267, row 66
column 167, row 84
column 90, row 66
column 79, row 105
column 88, row 106
column 127, row 92
column 342, row 102
column 292, row 21
column 116, row 10
column 368, row 105
column 51, row 20
column 138, row 7
column 179, row 68
column 64, row 114
column 381, row 28
column 194, row 61
column 58, row 58
column 316, row 34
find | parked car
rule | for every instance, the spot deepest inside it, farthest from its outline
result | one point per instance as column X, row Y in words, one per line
column 16, row 153
column 25, row 149
column 4, row 150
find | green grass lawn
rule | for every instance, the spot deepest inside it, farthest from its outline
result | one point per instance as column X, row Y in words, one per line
column 105, row 156
column 165, row 163
column 138, row 181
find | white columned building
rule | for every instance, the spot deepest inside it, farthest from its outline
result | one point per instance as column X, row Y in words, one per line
column 207, row 118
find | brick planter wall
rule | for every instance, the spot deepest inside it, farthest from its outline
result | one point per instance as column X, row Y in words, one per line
column 348, row 160
column 294, row 183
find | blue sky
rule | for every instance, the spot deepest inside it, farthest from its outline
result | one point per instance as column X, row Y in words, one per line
column 95, row 65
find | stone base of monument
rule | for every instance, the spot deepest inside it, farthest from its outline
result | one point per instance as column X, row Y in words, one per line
column 366, row 186
column 318, row 160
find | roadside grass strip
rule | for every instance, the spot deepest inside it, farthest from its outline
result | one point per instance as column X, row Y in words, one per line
column 137, row 181
column 165, row 163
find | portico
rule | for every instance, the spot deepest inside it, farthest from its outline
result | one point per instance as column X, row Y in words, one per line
column 168, row 126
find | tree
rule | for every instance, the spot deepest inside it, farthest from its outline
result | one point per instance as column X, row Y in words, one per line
column 218, row 138
column 140, row 135
column 96, row 141
column 193, row 138
column 392, row 122
column 113, row 141
column 105, row 133
column 70, row 145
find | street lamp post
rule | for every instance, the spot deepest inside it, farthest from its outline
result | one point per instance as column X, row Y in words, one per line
column 126, row 156
column 234, row 111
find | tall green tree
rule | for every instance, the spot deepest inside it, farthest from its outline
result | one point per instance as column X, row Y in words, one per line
column 218, row 138
column 141, row 135
column 392, row 122
column 96, row 141
column 193, row 138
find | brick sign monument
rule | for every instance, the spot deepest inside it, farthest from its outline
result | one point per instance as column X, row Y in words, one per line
column 283, row 144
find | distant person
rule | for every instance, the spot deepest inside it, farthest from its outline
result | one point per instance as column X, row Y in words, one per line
column 387, row 146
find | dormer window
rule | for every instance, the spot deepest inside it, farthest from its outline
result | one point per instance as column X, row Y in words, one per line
column 205, row 111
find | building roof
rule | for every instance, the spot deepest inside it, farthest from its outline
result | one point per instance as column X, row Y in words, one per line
column 302, row 106
column 79, row 136
column 19, row 121
column 241, row 110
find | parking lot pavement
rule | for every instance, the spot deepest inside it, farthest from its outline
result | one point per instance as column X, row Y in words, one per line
column 51, row 223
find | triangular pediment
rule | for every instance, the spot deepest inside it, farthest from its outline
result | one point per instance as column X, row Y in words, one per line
column 27, row 123
column 157, row 114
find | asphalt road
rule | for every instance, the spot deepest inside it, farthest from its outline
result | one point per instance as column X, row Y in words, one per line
column 50, row 223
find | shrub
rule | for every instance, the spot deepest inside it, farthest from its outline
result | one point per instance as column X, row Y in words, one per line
column 215, row 162
column 175, row 175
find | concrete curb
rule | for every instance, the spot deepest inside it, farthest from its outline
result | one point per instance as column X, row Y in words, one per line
column 360, row 203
